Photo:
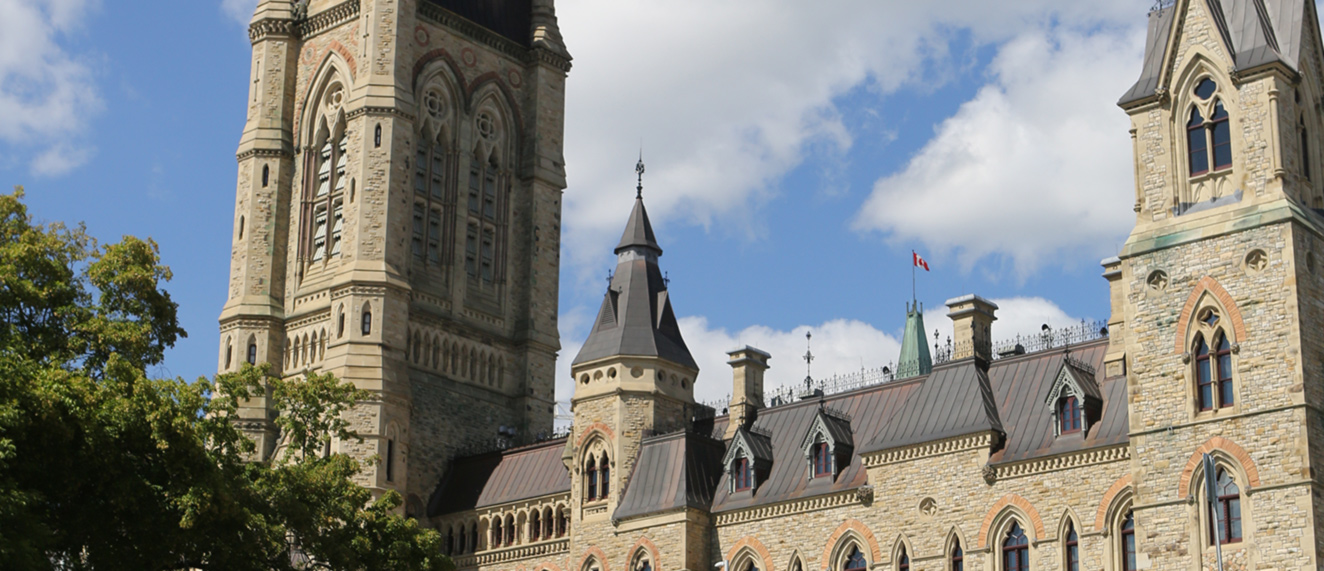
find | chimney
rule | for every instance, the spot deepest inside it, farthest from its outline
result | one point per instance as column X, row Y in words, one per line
column 1114, row 361
column 972, row 322
column 747, row 367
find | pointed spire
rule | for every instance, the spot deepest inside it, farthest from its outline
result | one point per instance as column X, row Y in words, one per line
column 638, row 230
column 915, row 358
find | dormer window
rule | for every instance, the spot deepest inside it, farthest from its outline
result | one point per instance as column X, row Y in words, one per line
column 1068, row 414
column 822, row 460
column 1074, row 398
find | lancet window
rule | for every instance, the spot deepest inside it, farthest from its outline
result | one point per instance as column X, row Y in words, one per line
column 1208, row 141
column 323, row 204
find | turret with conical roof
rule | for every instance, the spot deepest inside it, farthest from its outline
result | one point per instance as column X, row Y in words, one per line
column 634, row 376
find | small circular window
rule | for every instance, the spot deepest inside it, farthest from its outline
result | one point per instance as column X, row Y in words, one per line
column 1206, row 88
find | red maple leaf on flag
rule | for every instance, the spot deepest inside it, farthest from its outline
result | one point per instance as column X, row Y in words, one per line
column 920, row 262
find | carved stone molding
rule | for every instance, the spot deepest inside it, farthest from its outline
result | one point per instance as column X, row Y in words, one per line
column 1057, row 463
column 262, row 29
column 941, row 447
column 264, row 153
column 368, row 110
column 329, row 18
column 789, row 508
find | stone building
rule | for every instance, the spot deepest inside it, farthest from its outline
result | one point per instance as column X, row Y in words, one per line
column 397, row 223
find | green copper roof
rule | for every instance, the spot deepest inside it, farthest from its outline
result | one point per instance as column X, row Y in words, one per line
column 915, row 359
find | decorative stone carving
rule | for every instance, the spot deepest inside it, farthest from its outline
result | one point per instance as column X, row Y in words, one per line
column 1256, row 261
column 865, row 495
column 928, row 508
column 1157, row 281
column 990, row 474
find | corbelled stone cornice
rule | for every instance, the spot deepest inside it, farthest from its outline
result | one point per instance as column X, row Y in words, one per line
column 306, row 27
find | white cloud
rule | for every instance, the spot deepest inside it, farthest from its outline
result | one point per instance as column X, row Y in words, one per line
column 239, row 10
column 727, row 95
column 840, row 346
column 47, row 95
column 60, row 159
column 1037, row 165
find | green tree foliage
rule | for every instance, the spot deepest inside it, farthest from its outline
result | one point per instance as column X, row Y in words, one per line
column 104, row 468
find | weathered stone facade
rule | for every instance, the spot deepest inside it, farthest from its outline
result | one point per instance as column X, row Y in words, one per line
column 459, row 339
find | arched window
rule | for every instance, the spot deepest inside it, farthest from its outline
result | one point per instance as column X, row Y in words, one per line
column 1204, row 383
column 1072, row 562
column 266, row 175
column 751, row 566
column 366, row 326
column 744, row 480
column 1222, row 135
column 473, row 537
column 450, row 541
column 957, row 556
column 1197, row 143
column 1068, row 414
column 548, row 523
column 641, row 562
column 822, row 460
column 1128, row 538
column 562, row 522
column 241, row 227
column 252, row 352
column 605, row 467
column 377, row 136
column 496, row 535
column 855, row 560
column 229, row 354
column 510, row 530
column 1015, row 549
column 903, row 560
column 1223, row 355
column 1225, row 522
column 535, row 526
column 591, row 471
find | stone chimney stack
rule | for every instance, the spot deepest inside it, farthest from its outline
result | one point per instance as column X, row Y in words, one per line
column 1114, row 361
column 747, row 367
column 972, row 322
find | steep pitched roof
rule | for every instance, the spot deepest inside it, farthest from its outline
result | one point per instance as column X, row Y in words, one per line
column 954, row 400
column 1255, row 32
column 636, row 317
column 673, row 471
column 501, row 477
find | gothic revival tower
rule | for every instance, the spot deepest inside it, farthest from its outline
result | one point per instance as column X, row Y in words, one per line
column 1216, row 320
column 634, row 376
column 397, row 221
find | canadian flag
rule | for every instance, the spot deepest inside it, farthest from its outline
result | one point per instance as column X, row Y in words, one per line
column 919, row 262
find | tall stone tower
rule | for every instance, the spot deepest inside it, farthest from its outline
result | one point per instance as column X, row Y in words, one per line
column 634, row 377
column 1217, row 321
column 397, row 221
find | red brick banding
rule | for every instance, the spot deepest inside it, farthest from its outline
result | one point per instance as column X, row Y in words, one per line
column 653, row 555
column 1019, row 503
column 595, row 552
column 1227, row 447
column 875, row 552
column 752, row 544
column 595, row 427
column 1211, row 285
column 1121, row 484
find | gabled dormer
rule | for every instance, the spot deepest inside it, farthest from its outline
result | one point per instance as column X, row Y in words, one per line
column 1074, row 398
column 828, row 444
column 748, row 460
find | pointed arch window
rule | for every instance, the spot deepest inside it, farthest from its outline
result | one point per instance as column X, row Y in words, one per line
column 1068, row 414
column 903, row 560
column 326, row 206
column 510, row 530
column 1128, row 538
column 957, row 556
column 1072, row 562
column 822, row 460
column 1204, row 374
column 1213, row 372
column 605, row 467
column 1226, row 527
column 855, row 560
column 1197, row 143
column 1208, row 142
column 1221, row 133
column 431, row 205
column 1015, row 549
column 485, row 206
column 591, row 471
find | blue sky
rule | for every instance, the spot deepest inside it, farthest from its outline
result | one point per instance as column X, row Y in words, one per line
column 797, row 152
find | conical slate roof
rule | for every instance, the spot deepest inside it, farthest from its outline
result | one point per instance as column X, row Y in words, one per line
column 915, row 359
column 636, row 318
column 638, row 231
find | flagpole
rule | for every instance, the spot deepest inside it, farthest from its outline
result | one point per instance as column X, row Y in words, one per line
column 914, row 298
column 1211, row 495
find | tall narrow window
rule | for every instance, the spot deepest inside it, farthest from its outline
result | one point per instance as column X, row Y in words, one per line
column 1222, row 135
column 958, row 556
column 252, row 352
column 562, row 522
column 417, row 243
column 741, row 472
column 1226, row 526
column 1223, row 354
column 484, row 207
column 473, row 536
column 377, row 136
column 1305, row 148
column 535, row 527
column 1072, row 549
column 855, row 560
column 266, row 175
column 605, row 484
column 337, row 227
column 434, row 236
column 903, row 562
column 1068, row 414
column 390, row 460
column 1204, row 382
column 1015, row 549
column 241, row 227
column 366, row 326
column 822, row 460
column 510, row 530
column 591, row 470
column 229, row 354
column 1128, row 537
column 471, row 250
column 496, row 534
column 1197, row 143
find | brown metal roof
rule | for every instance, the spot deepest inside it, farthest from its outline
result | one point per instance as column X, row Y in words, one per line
column 674, row 471
column 953, row 400
column 502, row 477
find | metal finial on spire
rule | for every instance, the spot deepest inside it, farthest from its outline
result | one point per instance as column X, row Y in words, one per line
column 809, row 356
column 639, row 168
